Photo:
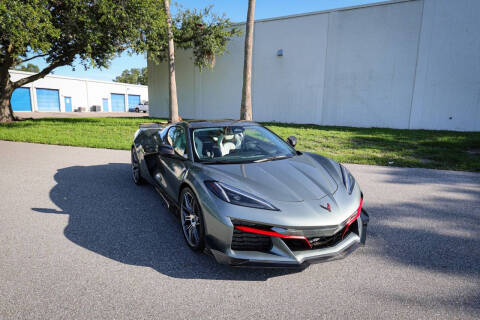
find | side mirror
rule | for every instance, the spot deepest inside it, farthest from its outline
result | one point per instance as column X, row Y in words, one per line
column 165, row 150
column 292, row 141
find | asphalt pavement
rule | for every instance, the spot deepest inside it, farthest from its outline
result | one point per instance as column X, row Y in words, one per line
column 78, row 240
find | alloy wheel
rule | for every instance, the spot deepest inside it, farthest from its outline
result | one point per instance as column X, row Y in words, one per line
column 135, row 168
column 191, row 221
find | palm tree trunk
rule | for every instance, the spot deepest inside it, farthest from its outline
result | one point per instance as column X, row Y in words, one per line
column 246, row 106
column 173, row 102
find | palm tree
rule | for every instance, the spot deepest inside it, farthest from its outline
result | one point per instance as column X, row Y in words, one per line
column 173, row 102
column 246, row 106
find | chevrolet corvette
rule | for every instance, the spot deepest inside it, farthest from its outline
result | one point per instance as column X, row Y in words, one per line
column 247, row 196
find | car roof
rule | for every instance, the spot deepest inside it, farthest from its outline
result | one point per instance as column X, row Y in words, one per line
column 218, row 123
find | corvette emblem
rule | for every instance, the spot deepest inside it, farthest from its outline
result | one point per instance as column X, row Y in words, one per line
column 327, row 207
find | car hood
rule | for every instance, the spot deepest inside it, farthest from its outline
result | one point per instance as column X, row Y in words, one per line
column 294, row 179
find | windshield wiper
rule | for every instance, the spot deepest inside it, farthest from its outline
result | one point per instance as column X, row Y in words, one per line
column 272, row 158
column 245, row 160
column 223, row 162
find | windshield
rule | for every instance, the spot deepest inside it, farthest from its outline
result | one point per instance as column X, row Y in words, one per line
column 238, row 144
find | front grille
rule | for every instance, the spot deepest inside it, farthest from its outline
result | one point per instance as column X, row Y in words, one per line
column 325, row 242
column 315, row 242
column 320, row 242
column 246, row 241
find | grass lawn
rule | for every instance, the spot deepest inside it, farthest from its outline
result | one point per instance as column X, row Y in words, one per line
column 404, row 148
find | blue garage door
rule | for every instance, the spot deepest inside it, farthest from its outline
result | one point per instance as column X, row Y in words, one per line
column 48, row 100
column 133, row 101
column 118, row 102
column 21, row 100
column 105, row 105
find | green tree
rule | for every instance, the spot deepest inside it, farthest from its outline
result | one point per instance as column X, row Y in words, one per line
column 62, row 31
column 133, row 76
column 143, row 77
column 246, row 105
column 92, row 32
column 29, row 67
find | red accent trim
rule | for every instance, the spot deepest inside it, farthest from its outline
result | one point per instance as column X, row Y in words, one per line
column 349, row 222
column 273, row 234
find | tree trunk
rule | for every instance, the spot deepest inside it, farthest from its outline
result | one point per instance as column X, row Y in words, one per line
column 246, row 106
column 172, row 92
column 6, row 113
column 6, row 90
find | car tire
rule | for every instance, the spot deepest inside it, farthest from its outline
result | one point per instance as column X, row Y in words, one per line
column 191, row 219
column 136, row 175
column 137, row 110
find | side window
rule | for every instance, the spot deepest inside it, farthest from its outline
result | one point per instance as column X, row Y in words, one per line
column 177, row 139
column 163, row 135
column 171, row 135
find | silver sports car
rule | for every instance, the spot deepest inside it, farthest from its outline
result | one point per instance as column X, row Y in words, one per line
column 248, row 197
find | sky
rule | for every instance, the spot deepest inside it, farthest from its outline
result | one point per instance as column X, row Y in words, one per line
column 236, row 10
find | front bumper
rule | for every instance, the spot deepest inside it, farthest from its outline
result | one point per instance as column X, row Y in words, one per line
column 282, row 255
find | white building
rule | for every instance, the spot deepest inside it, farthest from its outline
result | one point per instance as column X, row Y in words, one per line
column 399, row 64
column 66, row 94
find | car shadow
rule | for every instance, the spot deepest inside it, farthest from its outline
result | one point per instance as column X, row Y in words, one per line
column 111, row 216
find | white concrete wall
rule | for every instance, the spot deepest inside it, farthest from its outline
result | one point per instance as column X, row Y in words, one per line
column 371, row 65
column 447, row 86
column 84, row 92
column 399, row 64
column 289, row 87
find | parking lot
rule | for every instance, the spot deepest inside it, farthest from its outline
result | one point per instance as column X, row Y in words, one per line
column 79, row 240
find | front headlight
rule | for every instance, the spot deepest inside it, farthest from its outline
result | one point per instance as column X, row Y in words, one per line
column 238, row 197
column 348, row 179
